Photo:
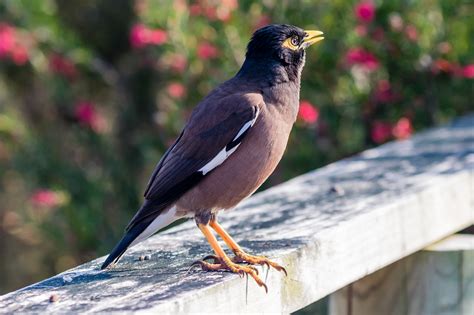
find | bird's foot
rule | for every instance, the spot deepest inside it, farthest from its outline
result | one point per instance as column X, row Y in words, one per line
column 241, row 256
column 227, row 264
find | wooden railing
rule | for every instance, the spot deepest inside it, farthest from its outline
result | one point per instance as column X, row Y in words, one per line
column 329, row 228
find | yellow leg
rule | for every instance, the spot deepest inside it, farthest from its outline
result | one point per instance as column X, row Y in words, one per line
column 239, row 252
column 225, row 261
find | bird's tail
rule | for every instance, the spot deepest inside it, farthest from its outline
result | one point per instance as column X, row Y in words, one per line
column 130, row 236
column 140, row 232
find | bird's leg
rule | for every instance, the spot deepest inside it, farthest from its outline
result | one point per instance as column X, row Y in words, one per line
column 225, row 263
column 242, row 256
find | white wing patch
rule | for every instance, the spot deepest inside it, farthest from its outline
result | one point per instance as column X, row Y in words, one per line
column 244, row 129
column 224, row 153
column 215, row 162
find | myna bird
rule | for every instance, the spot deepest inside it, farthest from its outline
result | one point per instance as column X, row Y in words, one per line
column 232, row 142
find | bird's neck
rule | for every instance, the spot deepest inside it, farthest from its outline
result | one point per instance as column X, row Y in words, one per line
column 267, row 72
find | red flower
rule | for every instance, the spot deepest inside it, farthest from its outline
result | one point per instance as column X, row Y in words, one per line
column 87, row 115
column 46, row 198
column 207, row 51
column 141, row 36
column 63, row 66
column 468, row 71
column 19, row 55
column 402, row 129
column 442, row 65
column 365, row 11
column 176, row 90
column 195, row 9
column 308, row 113
column 362, row 57
column 381, row 131
column 411, row 33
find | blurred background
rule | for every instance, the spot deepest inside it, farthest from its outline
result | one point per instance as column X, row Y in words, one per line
column 93, row 92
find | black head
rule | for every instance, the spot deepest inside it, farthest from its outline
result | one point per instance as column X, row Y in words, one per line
column 283, row 45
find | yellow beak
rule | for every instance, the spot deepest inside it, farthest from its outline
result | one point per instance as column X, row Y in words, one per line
column 311, row 38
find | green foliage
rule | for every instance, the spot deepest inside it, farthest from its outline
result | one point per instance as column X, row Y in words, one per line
column 93, row 92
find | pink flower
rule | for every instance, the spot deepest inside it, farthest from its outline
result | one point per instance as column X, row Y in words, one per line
column 365, row 11
column 214, row 10
column 207, row 51
column 178, row 63
column 308, row 113
column 63, row 66
column 468, row 71
column 11, row 46
column 362, row 57
column 7, row 39
column 396, row 22
column 381, row 131
column 225, row 8
column 87, row 115
column 411, row 33
column 444, row 47
column 141, row 36
column 402, row 129
column 176, row 90
column 157, row 37
column 46, row 198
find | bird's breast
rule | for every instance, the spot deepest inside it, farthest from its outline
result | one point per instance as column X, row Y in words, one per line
column 246, row 169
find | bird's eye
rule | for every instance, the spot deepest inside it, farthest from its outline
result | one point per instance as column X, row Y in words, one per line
column 292, row 42
column 295, row 40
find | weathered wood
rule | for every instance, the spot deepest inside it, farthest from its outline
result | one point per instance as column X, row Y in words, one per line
column 391, row 202
column 437, row 280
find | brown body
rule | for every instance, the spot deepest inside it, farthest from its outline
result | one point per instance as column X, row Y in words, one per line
column 255, row 159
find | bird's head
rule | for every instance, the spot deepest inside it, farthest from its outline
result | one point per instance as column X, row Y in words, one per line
column 282, row 44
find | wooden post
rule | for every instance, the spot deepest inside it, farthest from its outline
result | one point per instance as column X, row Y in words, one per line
column 437, row 280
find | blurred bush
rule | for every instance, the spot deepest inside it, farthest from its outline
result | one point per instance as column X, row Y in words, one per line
column 93, row 92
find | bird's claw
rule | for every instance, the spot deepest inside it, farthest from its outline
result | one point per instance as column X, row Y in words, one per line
column 227, row 264
column 258, row 260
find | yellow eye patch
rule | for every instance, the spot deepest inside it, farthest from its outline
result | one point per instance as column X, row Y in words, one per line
column 291, row 43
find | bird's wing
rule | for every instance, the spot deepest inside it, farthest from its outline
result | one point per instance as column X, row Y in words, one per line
column 213, row 133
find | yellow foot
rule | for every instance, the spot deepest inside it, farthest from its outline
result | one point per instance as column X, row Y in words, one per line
column 226, row 264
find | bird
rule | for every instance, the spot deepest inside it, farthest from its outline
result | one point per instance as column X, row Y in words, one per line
column 230, row 145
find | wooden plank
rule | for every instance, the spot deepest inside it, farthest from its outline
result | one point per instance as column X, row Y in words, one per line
column 437, row 280
column 390, row 202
